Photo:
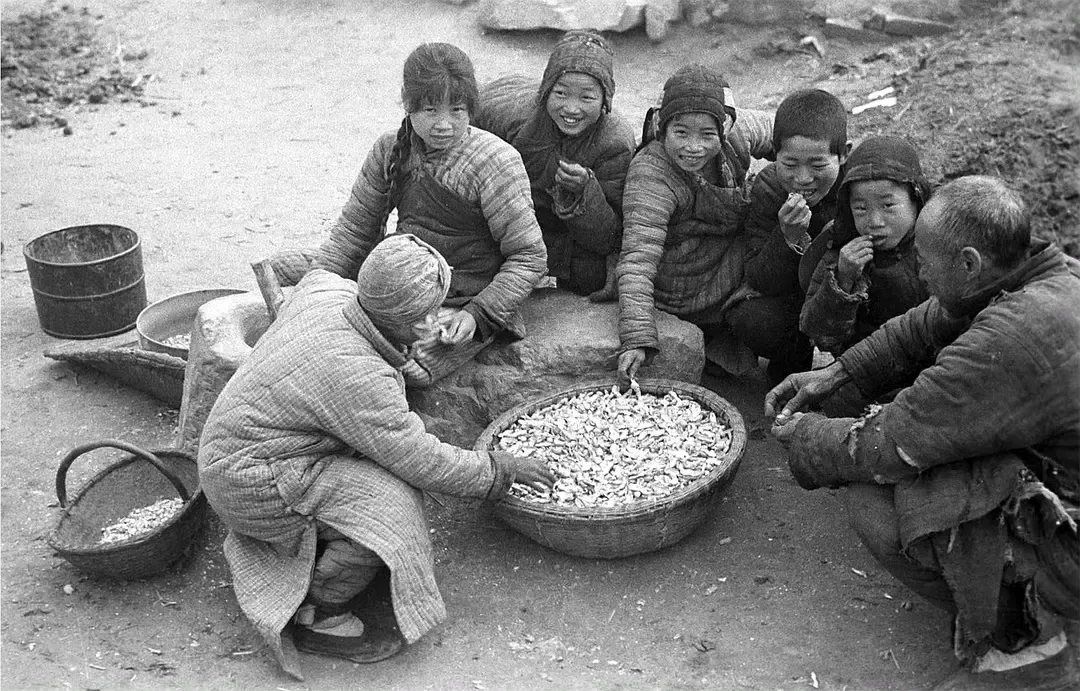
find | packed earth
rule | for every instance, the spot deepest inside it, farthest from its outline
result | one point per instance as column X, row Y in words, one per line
column 222, row 131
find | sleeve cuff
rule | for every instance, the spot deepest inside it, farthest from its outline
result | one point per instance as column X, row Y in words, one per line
column 485, row 327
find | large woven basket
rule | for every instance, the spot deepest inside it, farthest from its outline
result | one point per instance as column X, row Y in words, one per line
column 645, row 526
column 134, row 481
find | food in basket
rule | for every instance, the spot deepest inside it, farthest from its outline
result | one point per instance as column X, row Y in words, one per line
column 610, row 449
column 142, row 521
column 178, row 341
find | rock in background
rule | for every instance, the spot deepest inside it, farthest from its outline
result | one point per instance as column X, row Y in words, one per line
column 599, row 15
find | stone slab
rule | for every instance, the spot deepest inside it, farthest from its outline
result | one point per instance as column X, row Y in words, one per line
column 570, row 341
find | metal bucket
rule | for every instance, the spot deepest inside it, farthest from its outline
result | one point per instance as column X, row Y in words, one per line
column 87, row 280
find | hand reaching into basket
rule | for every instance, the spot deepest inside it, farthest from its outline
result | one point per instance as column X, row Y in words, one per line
column 531, row 471
column 629, row 364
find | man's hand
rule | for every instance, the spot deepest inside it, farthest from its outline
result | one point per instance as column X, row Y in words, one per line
column 457, row 327
column 533, row 472
column 571, row 176
column 794, row 217
column 783, row 428
column 854, row 256
column 802, row 389
column 629, row 364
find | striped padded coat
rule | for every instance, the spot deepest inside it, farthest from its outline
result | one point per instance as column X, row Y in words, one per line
column 682, row 236
column 486, row 173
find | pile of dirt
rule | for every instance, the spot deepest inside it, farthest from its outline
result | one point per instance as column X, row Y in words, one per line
column 987, row 100
column 55, row 60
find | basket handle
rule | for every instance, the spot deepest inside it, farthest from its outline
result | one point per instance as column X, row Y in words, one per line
column 61, row 473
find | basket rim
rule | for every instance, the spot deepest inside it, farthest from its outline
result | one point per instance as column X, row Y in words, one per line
column 699, row 487
column 196, row 503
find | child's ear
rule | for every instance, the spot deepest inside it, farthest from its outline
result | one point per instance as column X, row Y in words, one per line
column 845, row 151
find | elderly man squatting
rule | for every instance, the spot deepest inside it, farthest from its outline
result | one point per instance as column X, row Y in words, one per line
column 965, row 486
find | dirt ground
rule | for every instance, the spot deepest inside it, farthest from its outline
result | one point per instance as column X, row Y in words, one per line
column 222, row 130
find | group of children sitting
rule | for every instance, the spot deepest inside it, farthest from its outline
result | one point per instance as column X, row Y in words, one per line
column 518, row 179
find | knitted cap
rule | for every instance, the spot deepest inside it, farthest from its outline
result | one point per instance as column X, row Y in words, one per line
column 694, row 89
column 402, row 280
column 581, row 51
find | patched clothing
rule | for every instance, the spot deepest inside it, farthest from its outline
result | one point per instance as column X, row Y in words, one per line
column 314, row 428
column 983, row 449
column 835, row 319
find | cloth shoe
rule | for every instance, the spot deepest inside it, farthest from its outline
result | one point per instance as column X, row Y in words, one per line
column 1049, row 666
column 345, row 636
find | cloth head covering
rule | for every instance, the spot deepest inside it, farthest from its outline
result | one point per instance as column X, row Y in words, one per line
column 402, row 280
column 695, row 89
column 581, row 51
column 878, row 158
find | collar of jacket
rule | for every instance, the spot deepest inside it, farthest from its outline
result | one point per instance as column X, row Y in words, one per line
column 359, row 320
column 1044, row 257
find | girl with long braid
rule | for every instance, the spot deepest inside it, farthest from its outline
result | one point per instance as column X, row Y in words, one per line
column 460, row 189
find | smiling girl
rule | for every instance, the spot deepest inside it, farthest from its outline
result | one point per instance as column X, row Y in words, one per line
column 686, row 192
column 462, row 190
column 575, row 150
column 868, row 271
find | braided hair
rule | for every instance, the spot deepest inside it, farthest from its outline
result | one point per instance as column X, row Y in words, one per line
column 434, row 73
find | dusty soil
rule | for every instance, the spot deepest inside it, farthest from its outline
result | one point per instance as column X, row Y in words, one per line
column 245, row 133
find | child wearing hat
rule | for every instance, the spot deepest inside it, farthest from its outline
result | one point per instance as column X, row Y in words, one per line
column 686, row 192
column 462, row 190
column 792, row 200
column 863, row 270
column 312, row 459
column 576, row 152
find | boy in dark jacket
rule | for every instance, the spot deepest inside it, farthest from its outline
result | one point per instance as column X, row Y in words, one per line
column 575, row 151
column 792, row 200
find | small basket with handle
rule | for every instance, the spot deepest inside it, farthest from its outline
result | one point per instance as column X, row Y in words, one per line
column 135, row 481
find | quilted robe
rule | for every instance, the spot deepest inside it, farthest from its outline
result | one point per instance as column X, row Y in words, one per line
column 314, row 425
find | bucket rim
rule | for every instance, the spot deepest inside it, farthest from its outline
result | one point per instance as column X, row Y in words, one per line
column 136, row 247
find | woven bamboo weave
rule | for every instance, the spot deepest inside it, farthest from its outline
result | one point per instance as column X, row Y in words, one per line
column 644, row 526
column 135, row 481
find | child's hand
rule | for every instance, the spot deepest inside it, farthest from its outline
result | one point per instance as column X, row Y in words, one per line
column 571, row 176
column 457, row 327
column 629, row 364
column 794, row 217
column 854, row 256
